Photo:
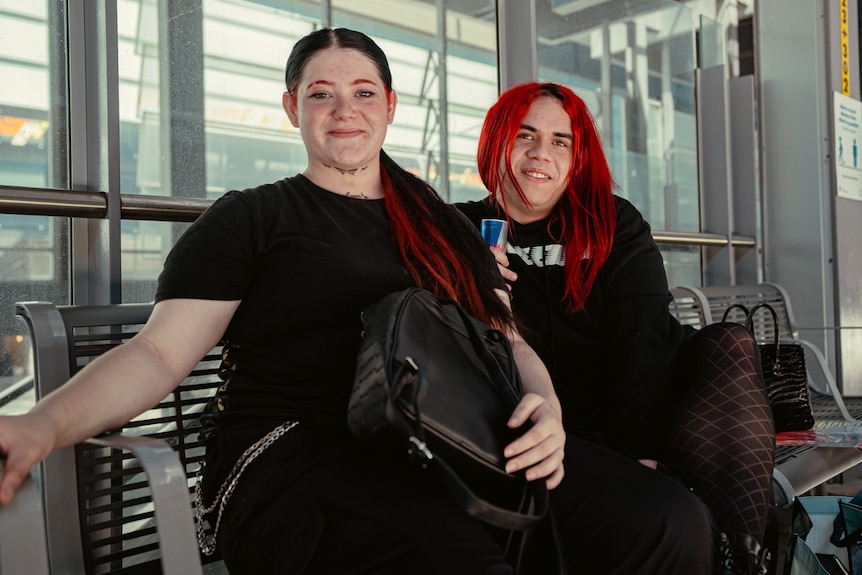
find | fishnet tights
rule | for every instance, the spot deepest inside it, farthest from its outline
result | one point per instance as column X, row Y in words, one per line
column 723, row 441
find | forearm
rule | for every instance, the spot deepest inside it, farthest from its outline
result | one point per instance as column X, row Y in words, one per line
column 107, row 393
column 135, row 376
column 534, row 374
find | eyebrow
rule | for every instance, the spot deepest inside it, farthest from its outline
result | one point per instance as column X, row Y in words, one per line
column 328, row 83
column 566, row 135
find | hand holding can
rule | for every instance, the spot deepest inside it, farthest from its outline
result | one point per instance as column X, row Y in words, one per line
column 496, row 233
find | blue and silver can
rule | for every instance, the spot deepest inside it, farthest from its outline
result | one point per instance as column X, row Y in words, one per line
column 496, row 233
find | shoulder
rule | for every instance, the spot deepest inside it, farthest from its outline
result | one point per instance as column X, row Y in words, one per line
column 626, row 211
column 630, row 221
column 476, row 210
column 281, row 190
column 258, row 201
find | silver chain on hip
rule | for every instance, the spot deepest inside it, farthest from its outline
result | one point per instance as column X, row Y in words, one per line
column 208, row 546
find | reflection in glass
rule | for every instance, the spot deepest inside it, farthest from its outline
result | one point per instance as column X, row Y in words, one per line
column 33, row 267
column 712, row 51
column 436, row 130
column 248, row 140
column 636, row 73
column 33, row 249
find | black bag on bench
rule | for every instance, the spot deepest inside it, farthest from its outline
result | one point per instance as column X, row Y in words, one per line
column 784, row 374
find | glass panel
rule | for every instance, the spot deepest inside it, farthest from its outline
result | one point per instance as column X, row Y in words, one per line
column 634, row 67
column 412, row 44
column 24, row 93
column 33, row 267
column 248, row 139
column 33, row 249
column 682, row 265
column 16, row 369
column 711, row 43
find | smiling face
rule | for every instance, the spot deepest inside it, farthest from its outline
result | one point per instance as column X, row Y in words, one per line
column 541, row 161
column 342, row 108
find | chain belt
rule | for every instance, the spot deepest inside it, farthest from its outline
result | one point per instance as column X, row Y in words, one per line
column 225, row 491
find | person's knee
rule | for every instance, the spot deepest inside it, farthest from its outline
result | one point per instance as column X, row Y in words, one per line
column 685, row 537
column 729, row 334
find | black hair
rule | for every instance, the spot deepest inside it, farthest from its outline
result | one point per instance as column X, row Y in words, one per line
column 311, row 44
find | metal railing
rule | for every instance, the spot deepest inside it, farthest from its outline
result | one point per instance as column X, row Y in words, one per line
column 77, row 204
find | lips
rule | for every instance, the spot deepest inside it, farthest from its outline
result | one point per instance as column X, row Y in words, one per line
column 536, row 174
column 345, row 133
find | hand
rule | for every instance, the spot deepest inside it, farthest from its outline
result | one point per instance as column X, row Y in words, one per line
column 651, row 463
column 541, row 449
column 25, row 440
column 503, row 266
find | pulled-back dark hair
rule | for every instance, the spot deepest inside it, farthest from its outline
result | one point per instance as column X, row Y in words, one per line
column 439, row 247
column 309, row 45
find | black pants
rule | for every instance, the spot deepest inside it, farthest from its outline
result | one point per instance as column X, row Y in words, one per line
column 350, row 512
column 616, row 516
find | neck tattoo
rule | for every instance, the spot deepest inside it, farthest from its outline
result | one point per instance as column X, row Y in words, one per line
column 350, row 172
column 360, row 195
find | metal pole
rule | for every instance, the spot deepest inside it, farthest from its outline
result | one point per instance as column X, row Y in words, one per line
column 443, row 104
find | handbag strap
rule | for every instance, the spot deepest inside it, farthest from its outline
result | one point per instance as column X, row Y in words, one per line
column 733, row 307
column 749, row 320
column 409, row 373
column 487, row 511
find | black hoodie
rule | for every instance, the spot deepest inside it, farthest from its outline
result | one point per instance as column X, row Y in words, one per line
column 611, row 362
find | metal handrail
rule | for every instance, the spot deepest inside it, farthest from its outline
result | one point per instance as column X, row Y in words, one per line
column 78, row 204
column 701, row 239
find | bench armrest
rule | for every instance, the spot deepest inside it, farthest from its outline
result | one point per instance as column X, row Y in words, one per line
column 812, row 468
column 169, row 485
column 23, row 540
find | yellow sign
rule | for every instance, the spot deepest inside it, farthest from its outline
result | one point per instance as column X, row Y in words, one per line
column 845, row 50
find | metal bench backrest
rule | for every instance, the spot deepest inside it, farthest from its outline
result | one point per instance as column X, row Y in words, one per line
column 687, row 307
column 717, row 299
column 99, row 515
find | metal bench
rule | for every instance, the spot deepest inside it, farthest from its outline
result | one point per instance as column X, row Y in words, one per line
column 98, row 513
column 121, row 502
column 798, row 469
column 716, row 299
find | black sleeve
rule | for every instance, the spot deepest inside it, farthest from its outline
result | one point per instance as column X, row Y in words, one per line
column 644, row 336
column 214, row 258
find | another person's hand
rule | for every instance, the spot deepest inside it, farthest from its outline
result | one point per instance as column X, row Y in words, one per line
column 540, row 450
column 503, row 265
column 24, row 442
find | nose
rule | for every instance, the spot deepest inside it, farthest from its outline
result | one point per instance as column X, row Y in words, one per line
column 343, row 108
column 540, row 149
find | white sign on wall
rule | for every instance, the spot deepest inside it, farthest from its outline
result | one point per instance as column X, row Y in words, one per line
column 848, row 146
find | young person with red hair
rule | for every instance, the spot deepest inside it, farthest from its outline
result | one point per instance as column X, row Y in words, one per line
column 280, row 274
column 589, row 289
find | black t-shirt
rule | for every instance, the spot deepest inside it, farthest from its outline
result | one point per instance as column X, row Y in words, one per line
column 305, row 262
column 611, row 362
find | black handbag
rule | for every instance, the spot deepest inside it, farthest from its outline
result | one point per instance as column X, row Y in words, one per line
column 437, row 384
column 784, row 374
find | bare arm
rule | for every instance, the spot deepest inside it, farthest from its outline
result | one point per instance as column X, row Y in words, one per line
column 114, row 388
column 541, row 449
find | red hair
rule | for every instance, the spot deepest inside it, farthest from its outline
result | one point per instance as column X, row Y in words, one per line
column 586, row 210
column 437, row 245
